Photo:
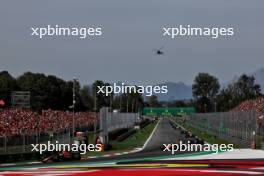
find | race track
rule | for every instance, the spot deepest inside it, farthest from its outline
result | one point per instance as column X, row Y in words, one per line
column 144, row 162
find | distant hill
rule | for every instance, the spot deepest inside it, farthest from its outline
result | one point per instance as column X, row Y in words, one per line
column 176, row 91
column 181, row 91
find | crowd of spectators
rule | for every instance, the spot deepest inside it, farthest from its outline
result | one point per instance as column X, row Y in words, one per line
column 256, row 105
column 15, row 122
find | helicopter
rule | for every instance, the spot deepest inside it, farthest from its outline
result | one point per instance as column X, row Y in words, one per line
column 159, row 51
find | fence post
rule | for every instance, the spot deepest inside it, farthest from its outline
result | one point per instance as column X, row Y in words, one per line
column 36, row 135
column 95, row 124
column 69, row 135
column 103, row 124
column 5, row 143
column 24, row 142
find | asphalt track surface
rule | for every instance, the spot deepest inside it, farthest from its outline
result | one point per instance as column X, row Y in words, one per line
column 143, row 162
column 163, row 134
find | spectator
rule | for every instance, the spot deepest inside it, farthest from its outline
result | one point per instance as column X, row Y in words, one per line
column 15, row 122
column 253, row 105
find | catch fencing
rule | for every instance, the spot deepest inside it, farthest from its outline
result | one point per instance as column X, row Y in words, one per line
column 110, row 121
column 237, row 127
column 22, row 143
column 121, row 120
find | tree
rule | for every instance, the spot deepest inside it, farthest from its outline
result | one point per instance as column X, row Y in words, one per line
column 35, row 83
column 153, row 101
column 49, row 92
column 245, row 88
column 87, row 98
column 136, row 101
column 7, row 85
column 179, row 103
column 205, row 89
column 101, row 99
column 132, row 102
column 225, row 99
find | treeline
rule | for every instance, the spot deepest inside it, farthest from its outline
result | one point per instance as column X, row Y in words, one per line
column 210, row 97
column 51, row 92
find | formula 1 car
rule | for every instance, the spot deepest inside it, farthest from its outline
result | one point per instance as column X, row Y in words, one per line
column 60, row 156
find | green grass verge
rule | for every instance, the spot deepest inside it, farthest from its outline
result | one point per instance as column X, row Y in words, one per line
column 211, row 139
column 135, row 140
column 259, row 141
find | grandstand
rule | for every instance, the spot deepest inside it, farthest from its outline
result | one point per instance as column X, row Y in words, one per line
column 21, row 127
column 14, row 122
column 256, row 105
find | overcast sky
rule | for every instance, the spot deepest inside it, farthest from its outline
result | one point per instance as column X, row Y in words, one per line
column 131, row 32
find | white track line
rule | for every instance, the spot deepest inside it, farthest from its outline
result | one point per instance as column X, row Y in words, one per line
column 147, row 141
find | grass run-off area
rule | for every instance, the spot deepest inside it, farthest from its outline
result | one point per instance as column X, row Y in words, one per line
column 211, row 139
column 134, row 141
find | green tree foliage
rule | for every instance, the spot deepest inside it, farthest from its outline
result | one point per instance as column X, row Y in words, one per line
column 153, row 101
column 51, row 92
column 132, row 102
column 48, row 91
column 7, row 84
column 243, row 89
column 205, row 89
column 180, row 103
column 224, row 99
column 127, row 102
column 87, row 98
column 101, row 99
